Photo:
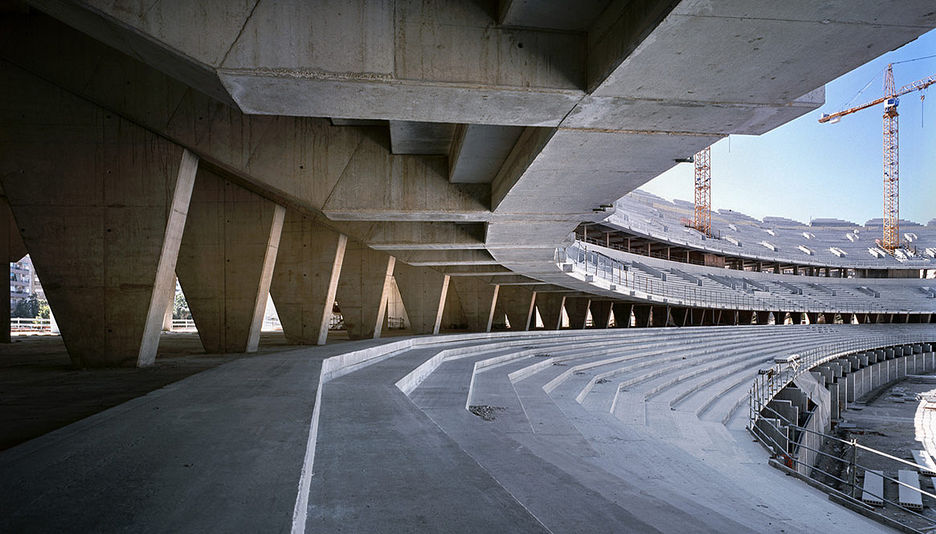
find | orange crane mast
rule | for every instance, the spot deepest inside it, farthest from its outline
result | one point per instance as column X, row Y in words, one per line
column 891, row 98
column 702, row 213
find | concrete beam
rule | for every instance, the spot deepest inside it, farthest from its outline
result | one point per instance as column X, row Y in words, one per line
column 476, row 299
column 479, row 150
column 568, row 15
column 305, row 279
column 346, row 172
column 226, row 262
column 550, row 309
column 421, row 138
column 101, row 204
column 405, row 235
column 424, row 294
column 438, row 258
column 363, row 289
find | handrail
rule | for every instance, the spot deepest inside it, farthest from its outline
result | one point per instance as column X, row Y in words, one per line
column 620, row 275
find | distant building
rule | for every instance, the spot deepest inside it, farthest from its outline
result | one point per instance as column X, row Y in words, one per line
column 24, row 282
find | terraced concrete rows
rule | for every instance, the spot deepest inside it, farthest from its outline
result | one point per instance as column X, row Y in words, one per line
column 615, row 431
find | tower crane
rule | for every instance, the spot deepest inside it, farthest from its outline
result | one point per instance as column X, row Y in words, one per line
column 702, row 212
column 890, row 99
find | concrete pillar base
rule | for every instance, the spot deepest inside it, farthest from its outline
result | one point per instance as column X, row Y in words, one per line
column 601, row 313
column 364, row 289
column 577, row 310
column 305, row 278
column 101, row 204
column 424, row 292
column 476, row 299
column 550, row 307
column 516, row 302
column 622, row 314
column 226, row 262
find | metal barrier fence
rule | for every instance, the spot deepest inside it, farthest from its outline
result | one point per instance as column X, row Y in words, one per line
column 772, row 380
column 270, row 324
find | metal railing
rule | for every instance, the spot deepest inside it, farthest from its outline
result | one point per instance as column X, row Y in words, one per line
column 771, row 381
column 623, row 277
column 25, row 324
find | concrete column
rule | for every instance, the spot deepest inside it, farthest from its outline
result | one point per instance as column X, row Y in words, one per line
column 577, row 310
column 101, row 204
column 550, row 309
column 813, row 318
column 622, row 314
column 476, row 298
column 601, row 313
column 305, row 279
column 516, row 302
column 423, row 291
column 364, row 289
column 226, row 262
column 658, row 315
column 167, row 318
column 745, row 317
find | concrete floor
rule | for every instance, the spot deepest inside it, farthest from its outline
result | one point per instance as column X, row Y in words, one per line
column 41, row 391
column 884, row 420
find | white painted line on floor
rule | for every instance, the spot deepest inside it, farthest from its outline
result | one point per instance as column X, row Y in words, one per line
column 300, row 510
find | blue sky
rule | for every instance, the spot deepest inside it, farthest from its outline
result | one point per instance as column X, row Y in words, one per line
column 804, row 170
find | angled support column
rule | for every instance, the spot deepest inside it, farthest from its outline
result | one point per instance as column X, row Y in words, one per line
column 423, row 291
column 622, row 314
column 577, row 310
column 305, row 278
column 601, row 313
column 550, row 309
column 745, row 317
column 226, row 262
column 516, row 302
column 476, row 299
column 363, row 289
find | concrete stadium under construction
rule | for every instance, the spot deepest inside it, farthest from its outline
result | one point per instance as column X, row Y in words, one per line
column 524, row 342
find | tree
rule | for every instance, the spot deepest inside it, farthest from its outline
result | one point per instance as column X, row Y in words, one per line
column 180, row 309
column 31, row 307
